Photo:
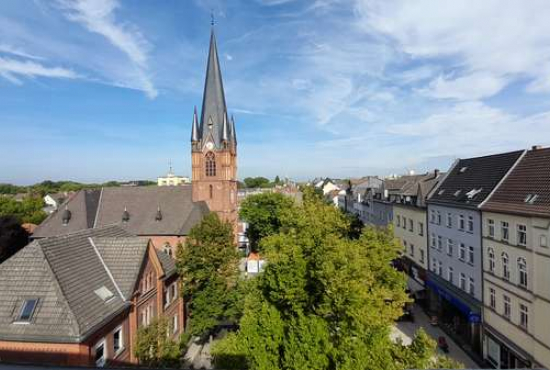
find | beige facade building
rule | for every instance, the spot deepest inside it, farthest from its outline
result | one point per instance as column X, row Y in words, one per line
column 516, row 266
column 172, row 180
column 410, row 228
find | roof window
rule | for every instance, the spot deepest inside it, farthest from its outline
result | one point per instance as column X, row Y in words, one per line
column 531, row 198
column 463, row 169
column 104, row 293
column 441, row 192
column 472, row 193
column 457, row 193
column 27, row 310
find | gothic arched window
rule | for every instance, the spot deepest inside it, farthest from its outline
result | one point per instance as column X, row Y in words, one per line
column 210, row 164
column 211, row 191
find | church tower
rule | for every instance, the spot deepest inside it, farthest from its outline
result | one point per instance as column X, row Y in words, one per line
column 214, row 146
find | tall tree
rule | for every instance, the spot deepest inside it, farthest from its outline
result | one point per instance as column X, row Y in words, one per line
column 154, row 346
column 325, row 300
column 208, row 266
column 12, row 237
column 264, row 213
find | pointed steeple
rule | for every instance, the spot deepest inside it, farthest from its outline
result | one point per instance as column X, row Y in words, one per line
column 213, row 103
column 233, row 131
column 195, row 129
column 225, row 129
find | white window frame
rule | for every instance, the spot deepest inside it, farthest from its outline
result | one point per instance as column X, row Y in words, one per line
column 461, row 223
column 119, row 329
column 449, row 220
column 462, row 252
column 471, row 257
column 492, row 298
column 507, row 304
column 523, row 316
column 505, row 266
column 491, row 258
column 450, row 274
column 523, row 278
column 504, row 230
column 471, row 286
column 421, row 228
column 450, row 246
column 470, row 224
column 103, row 343
column 521, row 234
column 491, row 227
column 462, row 281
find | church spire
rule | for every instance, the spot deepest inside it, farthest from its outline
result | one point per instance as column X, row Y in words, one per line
column 233, row 132
column 213, row 103
column 195, row 129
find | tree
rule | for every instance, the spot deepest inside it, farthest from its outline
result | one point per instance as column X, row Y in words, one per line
column 29, row 210
column 208, row 266
column 12, row 237
column 325, row 300
column 155, row 347
column 264, row 213
column 257, row 182
column 277, row 180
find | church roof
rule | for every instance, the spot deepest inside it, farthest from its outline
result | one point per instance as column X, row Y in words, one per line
column 132, row 208
column 214, row 121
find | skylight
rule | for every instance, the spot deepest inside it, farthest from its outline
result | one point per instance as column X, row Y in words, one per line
column 441, row 192
column 457, row 193
column 104, row 293
column 472, row 193
column 463, row 169
column 27, row 310
column 531, row 198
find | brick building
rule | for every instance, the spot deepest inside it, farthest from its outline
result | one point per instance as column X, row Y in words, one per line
column 79, row 299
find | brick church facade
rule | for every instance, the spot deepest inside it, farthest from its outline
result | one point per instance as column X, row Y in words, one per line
column 214, row 146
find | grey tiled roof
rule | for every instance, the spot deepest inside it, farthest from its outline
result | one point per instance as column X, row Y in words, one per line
column 481, row 175
column 167, row 262
column 64, row 273
column 97, row 208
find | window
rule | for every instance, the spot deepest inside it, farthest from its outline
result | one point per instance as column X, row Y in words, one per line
column 439, row 243
column 118, row 343
column 523, row 316
column 543, row 241
column 471, row 285
column 471, row 255
column 505, row 266
column 492, row 298
column 491, row 256
column 449, row 220
column 522, row 235
column 504, row 230
column 462, row 252
column 438, row 214
column 433, row 240
column 462, row 281
column 450, row 274
column 174, row 288
column 434, row 264
column 471, row 224
column 491, row 228
column 411, row 225
column 522, row 269
column 211, row 191
column 100, row 354
column 440, row 268
column 507, row 307
column 412, row 250
column 210, row 164
column 174, row 324
column 432, row 216
column 422, row 256
column 27, row 310
column 461, row 222
column 404, row 225
column 421, row 229
column 166, row 297
column 450, row 245
column 398, row 219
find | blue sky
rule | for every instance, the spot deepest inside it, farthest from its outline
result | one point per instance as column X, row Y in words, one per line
column 94, row 90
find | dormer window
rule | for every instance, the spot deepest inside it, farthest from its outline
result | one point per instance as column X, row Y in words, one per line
column 27, row 311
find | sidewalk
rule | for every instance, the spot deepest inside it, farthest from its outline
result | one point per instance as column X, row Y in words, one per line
column 406, row 330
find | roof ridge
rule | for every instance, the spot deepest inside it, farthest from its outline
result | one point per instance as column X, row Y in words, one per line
column 60, row 289
column 106, row 269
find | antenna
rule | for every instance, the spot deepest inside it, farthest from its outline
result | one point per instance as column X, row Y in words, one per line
column 212, row 20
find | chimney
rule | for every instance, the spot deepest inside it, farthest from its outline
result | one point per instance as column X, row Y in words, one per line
column 436, row 173
column 536, row 147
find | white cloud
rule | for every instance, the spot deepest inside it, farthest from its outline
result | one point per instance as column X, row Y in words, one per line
column 9, row 49
column 470, row 87
column 11, row 69
column 492, row 42
column 98, row 17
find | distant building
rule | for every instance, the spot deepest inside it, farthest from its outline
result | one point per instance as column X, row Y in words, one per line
column 164, row 214
column 516, row 266
column 79, row 300
column 172, row 180
column 455, row 239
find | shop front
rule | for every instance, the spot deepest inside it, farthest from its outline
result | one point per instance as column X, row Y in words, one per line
column 456, row 313
column 500, row 353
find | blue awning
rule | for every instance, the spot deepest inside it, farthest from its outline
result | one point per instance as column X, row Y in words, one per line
column 472, row 315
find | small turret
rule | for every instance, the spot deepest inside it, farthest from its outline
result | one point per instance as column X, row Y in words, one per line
column 195, row 129
column 66, row 216
column 225, row 129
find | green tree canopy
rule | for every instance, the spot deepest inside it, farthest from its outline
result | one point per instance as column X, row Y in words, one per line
column 264, row 213
column 29, row 210
column 325, row 300
column 208, row 266
column 154, row 346
column 257, row 182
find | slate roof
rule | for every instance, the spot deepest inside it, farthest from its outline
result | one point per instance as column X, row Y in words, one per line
column 530, row 177
column 214, row 108
column 98, row 208
column 471, row 180
column 64, row 273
